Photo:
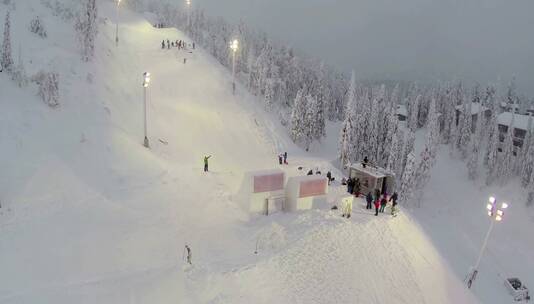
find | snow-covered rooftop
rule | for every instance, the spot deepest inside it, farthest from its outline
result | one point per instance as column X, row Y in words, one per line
column 376, row 172
column 520, row 120
column 476, row 108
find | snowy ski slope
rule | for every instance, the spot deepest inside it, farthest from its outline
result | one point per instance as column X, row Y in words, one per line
column 90, row 216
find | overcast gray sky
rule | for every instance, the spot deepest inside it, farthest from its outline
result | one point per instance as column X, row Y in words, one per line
column 481, row 40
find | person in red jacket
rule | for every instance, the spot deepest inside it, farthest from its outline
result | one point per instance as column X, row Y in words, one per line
column 377, row 205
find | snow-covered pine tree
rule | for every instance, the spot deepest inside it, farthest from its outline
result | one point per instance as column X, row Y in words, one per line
column 428, row 155
column 408, row 178
column 399, row 165
column 374, row 137
column 527, row 156
column 318, row 122
column 506, row 158
column 309, row 120
column 492, row 133
column 48, row 87
column 87, row 29
column 298, row 116
column 37, row 27
column 391, row 140
column 7, row 59
column 465, row 130
column 474, row 148
column 409, row 145
column 19, row 72
column 346, row 140
column 414, row 112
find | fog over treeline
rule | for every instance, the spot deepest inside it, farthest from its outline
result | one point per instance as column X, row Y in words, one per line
column 423, row 40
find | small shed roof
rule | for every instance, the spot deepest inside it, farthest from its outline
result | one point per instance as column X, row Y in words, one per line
column 476, row 108
column 401, row 110
column 376, row 172
column 520, row 120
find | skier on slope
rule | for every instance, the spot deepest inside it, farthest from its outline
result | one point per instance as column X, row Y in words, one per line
column 383, row 203
column 394, row 199
column 206, row 158
column 369, row 199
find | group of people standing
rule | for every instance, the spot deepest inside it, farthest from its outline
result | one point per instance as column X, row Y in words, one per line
column 381, row 201
column 282, row 158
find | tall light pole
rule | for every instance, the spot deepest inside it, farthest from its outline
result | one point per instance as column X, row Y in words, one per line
column 496, row 214
column 188, row 2
column 146, row 81
column 117, row 24
column 234, row 46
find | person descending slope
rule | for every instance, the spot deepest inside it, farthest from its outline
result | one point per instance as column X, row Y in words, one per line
column 206, row 158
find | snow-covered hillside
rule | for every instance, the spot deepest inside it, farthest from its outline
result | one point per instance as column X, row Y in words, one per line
column 91, row 216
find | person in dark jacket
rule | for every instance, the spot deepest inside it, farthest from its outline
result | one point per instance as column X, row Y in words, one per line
column 369, row 199
column 310, row 172
column 280, row 159
column 393, row 199
column 329, row 176
column 383, row 203
column 163, row 44
column 206, row 159
column 357, row 187
column 285, row 158
column 377, row 193
column 365, row 162
column 350, row 185
column 377, row 205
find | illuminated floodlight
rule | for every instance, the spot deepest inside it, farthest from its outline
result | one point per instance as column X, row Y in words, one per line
column 492, row 200
column 504, row 205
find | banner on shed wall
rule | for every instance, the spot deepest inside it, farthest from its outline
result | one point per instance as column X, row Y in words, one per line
column 313, row 188
column 267, row 183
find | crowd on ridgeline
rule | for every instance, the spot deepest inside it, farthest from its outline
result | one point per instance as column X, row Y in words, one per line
column 180, row 44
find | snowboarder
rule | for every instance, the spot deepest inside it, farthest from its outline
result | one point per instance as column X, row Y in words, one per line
column 285, row 155
column 329, row 176
column 393, row 199
column 383, row 203
column 189, row 255
column 377, row 205
column 365, row 162
column 280, row 159
column 369, row 199
column 206, row 158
